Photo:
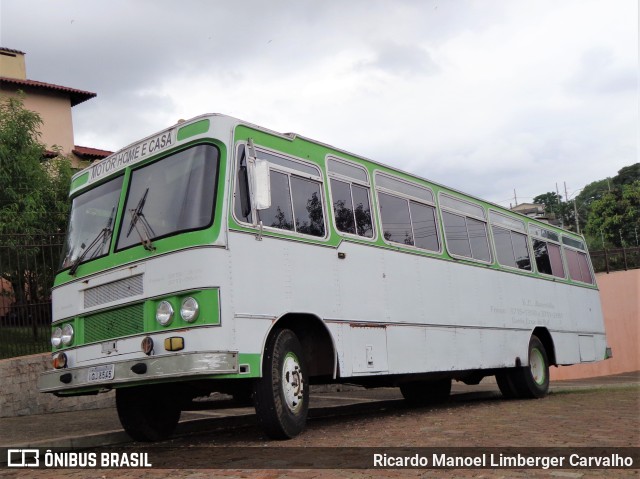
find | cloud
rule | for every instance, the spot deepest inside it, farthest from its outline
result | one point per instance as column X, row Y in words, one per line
column 482, row 96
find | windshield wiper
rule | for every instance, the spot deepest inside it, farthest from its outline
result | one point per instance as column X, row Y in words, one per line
column 104, row 234
column 147, row 231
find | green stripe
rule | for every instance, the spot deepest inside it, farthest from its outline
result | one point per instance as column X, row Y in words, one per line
column 193, row 129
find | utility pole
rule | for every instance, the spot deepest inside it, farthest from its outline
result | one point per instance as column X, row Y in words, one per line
column 515, row 197
column 575, row 211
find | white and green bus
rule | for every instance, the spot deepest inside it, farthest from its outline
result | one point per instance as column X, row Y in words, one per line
column 222, row 256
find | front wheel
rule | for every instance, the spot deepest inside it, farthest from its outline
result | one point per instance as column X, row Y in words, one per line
column 281, row 395
column 148, row 413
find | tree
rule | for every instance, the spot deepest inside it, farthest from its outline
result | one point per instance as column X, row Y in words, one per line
column 616, row 216
column 627, row 175
column 553, row 204
column 33, row 203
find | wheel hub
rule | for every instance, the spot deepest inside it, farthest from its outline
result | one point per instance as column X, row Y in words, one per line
column 536, row 364
column 292, row 383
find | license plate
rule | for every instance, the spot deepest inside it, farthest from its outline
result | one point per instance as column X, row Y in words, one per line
column 101, row 373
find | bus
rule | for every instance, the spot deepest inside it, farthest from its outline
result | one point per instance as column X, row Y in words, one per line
column 220, row 256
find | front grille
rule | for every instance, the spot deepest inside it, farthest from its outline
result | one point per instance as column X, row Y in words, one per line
column 115, row 291
column 114, row 324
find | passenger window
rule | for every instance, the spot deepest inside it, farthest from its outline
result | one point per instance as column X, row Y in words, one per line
column 423, row 220
column 578, row 266
column 351, row 208
column 466, row 236
column 307, row 206
column 279, row 214
column 548, row 258
column 408, row 222
column 455, row 230
column 396, row 221
column 511, row 248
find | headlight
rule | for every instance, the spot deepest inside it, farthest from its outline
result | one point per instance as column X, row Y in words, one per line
column 56, row 337
column 164, row 313
column 67, row 334
column 189, row 309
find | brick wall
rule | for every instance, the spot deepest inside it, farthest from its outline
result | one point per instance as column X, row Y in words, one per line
column 19, row 394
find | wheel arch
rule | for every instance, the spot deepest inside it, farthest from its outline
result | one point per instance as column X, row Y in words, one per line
column 316, row 341
column 545, row 338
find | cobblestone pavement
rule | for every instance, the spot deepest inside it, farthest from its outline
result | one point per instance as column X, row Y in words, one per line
column 603, row 417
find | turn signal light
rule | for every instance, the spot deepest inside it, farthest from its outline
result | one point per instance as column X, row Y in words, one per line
column 175, row 343
column 60, row 361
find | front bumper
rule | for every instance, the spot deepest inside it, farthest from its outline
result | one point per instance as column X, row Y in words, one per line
column 158, row 368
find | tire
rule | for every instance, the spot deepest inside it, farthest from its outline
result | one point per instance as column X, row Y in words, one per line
column 148, row 413
column 532, row 381
column 505, row 383
column 281, row 395
column 422, row 393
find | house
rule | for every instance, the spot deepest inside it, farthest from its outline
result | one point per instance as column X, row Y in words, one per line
column 53, row 103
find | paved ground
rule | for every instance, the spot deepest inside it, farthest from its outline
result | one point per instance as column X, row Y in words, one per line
column 602, row 412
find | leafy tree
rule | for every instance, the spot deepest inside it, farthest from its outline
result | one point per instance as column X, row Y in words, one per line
column 561, row 211
column 627, row 175
column 616, row 216
column 33, row 203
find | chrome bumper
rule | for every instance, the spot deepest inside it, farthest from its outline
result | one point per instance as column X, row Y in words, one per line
column 157, row 368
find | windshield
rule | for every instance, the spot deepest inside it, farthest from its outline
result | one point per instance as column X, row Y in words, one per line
column 91, row 223
column 172, row 195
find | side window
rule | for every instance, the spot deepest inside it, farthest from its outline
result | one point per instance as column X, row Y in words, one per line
column 548, row 258
column 280, row 213
column 296, row 195
column 465, row 228
column 406, row 216
column 307, row 206
column 578, row 266
column 350, row 195
column 510, row 241
column 396, row 221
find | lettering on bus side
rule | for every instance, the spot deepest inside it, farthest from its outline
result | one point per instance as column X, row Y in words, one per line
column 132, row 155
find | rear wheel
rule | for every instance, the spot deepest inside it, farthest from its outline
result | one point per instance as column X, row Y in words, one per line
column 505, row 383
column 148, row 413
column 281, row 396
column 528, row 382
column 532, row 381
column 421, row 393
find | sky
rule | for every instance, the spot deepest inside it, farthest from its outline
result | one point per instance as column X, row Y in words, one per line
column 485, row 96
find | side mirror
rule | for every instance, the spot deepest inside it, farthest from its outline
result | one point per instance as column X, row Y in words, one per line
column 260, row 185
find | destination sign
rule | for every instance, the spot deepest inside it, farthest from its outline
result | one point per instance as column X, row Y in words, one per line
column 133, row 154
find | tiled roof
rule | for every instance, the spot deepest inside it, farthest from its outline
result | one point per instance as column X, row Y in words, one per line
column 11, row 50
column 90, row 153
column 76, row 96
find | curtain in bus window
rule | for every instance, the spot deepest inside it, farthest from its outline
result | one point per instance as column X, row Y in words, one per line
column 555, row 258
column 362, row 211
column 307, row 206
column 396, row 222
column 343, row 206
column 542, row 256
column 520, row 250
column 279, row 214
column 574, row 265
column 585, row 272
column 455, row 228
column 423, row 220
column 478, row 239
